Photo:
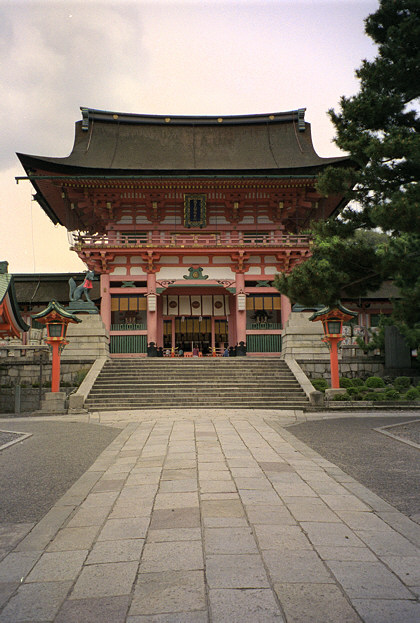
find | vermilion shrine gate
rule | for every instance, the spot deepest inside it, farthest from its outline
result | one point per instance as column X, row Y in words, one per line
column 187, row 220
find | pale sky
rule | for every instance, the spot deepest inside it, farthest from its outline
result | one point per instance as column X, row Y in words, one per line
column 167, row 57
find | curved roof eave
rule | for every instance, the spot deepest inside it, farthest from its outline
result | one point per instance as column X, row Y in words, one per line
column 59, row 166
column 7, row 291
column 154, row 144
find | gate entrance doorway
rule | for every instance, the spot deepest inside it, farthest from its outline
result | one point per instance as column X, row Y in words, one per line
column 188, row 331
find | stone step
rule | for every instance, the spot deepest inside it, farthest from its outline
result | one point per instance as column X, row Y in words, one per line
column 195, row 396
column 211, row 382
column 230, row 404
column 161, row 374
column 226, row 378
column 211, row 385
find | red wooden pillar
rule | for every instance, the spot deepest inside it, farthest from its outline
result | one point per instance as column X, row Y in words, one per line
column 159, row 322
column 240, row 315
column 232, row 322
column 173, row 344
column 105, row 301
column 213, row 336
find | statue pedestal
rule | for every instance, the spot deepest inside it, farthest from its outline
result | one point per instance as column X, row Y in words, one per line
column 82, row 306
column 88, row 339
column 302, row 339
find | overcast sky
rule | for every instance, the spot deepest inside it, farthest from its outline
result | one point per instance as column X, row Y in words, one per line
column 165, row 57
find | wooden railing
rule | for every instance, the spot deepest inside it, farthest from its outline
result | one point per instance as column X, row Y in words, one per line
column 179, row 240
column 264, row 326
column 128, row 327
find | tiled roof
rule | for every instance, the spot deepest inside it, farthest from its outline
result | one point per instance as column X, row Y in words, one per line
column 120, row 142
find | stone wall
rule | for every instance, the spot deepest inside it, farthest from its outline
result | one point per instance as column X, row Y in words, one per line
column 17, row 371
column 25, row 373
column 350, row 367
column 29, row 398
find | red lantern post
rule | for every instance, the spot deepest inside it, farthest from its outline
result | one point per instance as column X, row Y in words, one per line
column 332, row 323
column 56, row 319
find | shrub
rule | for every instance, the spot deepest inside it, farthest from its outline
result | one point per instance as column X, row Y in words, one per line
column 320, row 384
column 374, row 396
column 392, row 394
column 402, row 382
column 345, row 382
column 374, row 381
column 341, row 397
column 360, row 396
column 358, row 382
column 412, row 394
column 353, row 391
column 80, row 375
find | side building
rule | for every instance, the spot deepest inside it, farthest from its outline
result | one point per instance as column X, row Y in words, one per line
column 186, row 220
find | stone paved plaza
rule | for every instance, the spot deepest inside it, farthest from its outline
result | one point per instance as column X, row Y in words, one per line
column 212, row 516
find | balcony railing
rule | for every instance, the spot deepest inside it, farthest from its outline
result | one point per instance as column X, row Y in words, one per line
column 264, row 326
column 182, row 240
column 128, row 327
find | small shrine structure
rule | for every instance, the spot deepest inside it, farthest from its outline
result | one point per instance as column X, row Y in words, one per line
column 186, row 220
column 11, row 321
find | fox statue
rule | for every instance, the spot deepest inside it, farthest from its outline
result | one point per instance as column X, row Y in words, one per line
column 76, row 292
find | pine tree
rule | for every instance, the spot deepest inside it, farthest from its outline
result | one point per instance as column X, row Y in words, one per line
column 379, row 128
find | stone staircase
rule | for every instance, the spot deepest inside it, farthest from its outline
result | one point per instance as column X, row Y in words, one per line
column 240, row 382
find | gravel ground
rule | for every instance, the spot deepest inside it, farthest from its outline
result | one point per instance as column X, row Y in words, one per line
column 386, row 466
column 7, row 437
column 36, row 472
column 410, row 431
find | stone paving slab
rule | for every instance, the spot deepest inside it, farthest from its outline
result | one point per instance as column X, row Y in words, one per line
column 212, row 517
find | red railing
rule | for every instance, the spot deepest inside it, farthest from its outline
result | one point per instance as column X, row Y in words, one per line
column 179, row 240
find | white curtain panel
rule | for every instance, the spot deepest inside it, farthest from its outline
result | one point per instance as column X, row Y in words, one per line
column 173, row 305
column 218, row 305
column 185, row 305
column 207, row 305
column 196, row 305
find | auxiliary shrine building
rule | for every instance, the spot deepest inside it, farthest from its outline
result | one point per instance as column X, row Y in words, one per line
column 186, row 221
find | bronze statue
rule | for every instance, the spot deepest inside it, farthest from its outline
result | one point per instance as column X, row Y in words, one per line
column 76, row 292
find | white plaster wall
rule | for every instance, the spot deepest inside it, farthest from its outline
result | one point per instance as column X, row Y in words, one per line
column 120, row 260
column 125, row 220
column 254, row 259
column 217, row 220
column 136, row 259
column 169, row 272
column 119, row 270
column 247, row 219
column 222, row 259
column 213, row 272
column 264, row 219
column 170, row 259
column 195, row 259
column 270, row 269
column 254, row 270
column 269, row 258
column 172, row 220
column 142, row 219
column 136, row 270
